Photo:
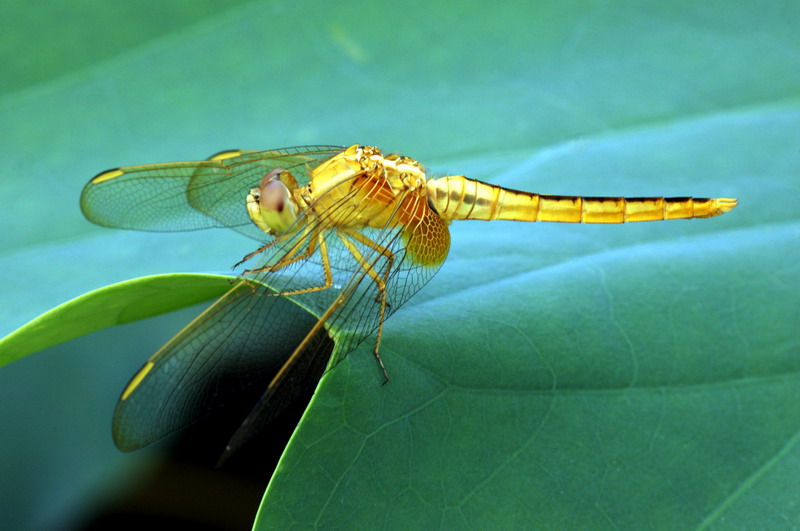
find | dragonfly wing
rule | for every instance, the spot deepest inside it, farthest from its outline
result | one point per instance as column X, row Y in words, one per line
column 299, row 378
column 148, row 197
column 236, row 344
column 184, row 196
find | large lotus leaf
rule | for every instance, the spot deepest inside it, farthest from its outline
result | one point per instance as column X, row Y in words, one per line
column 629, row 383
column 550, row 375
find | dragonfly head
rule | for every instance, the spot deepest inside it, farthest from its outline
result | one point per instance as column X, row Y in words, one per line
column 272, row 206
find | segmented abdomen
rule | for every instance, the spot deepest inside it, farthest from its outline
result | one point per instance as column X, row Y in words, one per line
column 457, row 197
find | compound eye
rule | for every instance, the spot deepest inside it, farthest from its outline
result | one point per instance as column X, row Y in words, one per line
column 271, row 206
column 273, row 197
column 271, row 176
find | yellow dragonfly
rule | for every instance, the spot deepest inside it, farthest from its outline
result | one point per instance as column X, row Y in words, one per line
column 348, row 235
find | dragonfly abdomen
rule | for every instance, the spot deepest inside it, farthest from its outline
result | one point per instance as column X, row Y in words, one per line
column 457, row 197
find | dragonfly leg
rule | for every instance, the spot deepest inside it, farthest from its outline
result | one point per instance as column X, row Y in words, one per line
column 254, row 253
column 380, row 283
column 291, row 255
column 326, row 266
column 383, row 251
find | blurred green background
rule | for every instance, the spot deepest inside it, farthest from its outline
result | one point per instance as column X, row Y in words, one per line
column 549, row 376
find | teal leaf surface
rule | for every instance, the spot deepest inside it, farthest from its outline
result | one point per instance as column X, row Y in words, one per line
column 550, row 376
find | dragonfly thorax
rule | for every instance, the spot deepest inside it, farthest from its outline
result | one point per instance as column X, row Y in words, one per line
column 362, row 188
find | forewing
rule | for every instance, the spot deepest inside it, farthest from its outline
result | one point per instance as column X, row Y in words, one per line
column 236, row 344
column 183, row 196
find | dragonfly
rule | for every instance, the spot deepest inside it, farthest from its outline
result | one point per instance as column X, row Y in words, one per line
column 347, row 235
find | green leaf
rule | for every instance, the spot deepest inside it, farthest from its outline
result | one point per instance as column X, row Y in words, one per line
column 116, row 304
column 550, row 376
column 645, row 376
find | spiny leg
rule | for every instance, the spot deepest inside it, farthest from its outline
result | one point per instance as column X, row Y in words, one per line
column 379, row 248
column 381, row 285
column 290, row 256
column 257, row 251
column 326, row 266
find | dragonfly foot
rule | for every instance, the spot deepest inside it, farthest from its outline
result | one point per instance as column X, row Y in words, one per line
column 245, row 259
column 268, row 269
column 248, row 256
column 383, row 368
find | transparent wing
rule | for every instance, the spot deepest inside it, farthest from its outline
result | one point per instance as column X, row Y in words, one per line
column 183, row 196
column 300, row 378
column 236, row 345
